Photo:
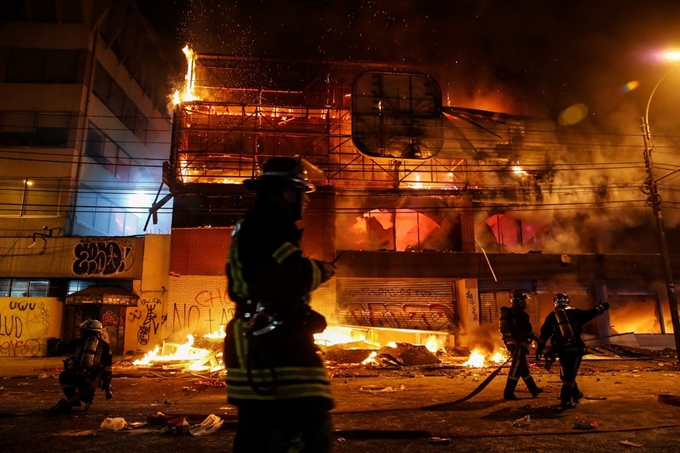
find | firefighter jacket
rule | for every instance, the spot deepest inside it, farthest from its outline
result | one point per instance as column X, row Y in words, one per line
column 550, row 330
column 515, row 327
column 90, row 359
column 267, row 266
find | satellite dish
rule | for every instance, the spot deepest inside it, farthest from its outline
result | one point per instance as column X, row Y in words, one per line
column 397, row 115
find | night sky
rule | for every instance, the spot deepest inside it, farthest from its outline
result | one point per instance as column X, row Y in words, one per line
column 528, row 57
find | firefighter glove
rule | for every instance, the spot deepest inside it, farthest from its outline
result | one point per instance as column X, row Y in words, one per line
column 605, row 306
column 327, row 270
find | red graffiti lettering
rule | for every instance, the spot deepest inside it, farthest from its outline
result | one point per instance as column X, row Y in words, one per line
column 209, row 299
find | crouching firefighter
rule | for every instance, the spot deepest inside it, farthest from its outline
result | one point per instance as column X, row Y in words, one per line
column 87, row 368
column 564, row 327
column 275, row 376
column 517, row 334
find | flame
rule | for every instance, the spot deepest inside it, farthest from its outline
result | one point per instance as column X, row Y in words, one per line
column 370, row 359
column 434, row 344
column 189, row 78
column 477, row 358
column 172, row 352
column 216, row 335
column 337, row 335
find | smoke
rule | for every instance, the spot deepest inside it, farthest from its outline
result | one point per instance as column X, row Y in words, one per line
column 485, row 337
column 535, row 59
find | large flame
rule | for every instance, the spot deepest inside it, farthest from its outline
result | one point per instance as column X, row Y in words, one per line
column 195, row 358
column 189, row 79
column 478, row 359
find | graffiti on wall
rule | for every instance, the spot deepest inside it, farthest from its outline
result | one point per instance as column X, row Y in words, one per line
column 403, row 305
column 435, row 316
column 206, row 313
column 152, row 312
column 25, row 325
column 101, row 258
column 472, row 305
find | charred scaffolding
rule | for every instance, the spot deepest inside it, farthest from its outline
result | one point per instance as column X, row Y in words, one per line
column 402, row 173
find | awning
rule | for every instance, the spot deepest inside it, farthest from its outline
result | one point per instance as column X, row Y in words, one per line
column 107, row 295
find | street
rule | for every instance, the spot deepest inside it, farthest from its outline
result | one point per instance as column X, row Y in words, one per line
column 378, row 410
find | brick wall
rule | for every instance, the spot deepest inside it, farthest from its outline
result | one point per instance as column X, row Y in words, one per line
column 199, row 251
column 468, row 230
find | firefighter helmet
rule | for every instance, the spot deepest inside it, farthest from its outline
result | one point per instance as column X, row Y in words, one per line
column 561, row 300
column 92, row 325
column 286, row 171
column 519, row 300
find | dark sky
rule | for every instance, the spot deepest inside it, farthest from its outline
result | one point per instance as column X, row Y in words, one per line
column 530, row 57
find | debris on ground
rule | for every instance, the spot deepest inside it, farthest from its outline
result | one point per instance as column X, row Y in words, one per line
column 113, row 423
column 585, row 424
column 524, row 421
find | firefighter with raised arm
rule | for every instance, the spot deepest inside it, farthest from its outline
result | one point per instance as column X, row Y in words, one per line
column 517, row 332
column 87, row 368
column 275, row 376
column 563, row 327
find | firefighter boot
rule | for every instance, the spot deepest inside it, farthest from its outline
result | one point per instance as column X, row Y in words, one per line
column 509, row 392
column 534, row 389
column 565, row 397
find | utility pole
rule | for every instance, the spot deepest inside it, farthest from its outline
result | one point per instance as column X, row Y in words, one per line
column 650, row 189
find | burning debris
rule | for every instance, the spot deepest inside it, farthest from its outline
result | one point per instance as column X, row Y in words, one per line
column 181, row 357
column 340, row 346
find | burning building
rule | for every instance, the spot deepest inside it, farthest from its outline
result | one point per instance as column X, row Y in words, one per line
column 436, row 212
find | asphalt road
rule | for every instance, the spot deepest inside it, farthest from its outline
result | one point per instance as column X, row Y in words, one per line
column 378, row 410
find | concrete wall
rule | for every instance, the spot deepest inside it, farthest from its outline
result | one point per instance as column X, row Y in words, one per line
column 26, row 323
column 144, row 328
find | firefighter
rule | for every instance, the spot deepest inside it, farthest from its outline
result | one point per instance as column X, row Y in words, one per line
column 87, row 367
column 564, row 327
column 517, row 334
column 275, row 376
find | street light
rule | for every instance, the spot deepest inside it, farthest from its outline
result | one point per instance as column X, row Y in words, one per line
column 650, row 188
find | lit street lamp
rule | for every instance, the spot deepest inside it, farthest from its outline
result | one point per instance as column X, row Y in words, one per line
column 650, row 188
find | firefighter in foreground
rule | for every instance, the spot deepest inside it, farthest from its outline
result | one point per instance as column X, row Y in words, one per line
column 563, row 327
column 274, row 375
column 515, row 326
column 87, row 368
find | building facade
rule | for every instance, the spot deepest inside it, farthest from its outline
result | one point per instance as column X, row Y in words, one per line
column 437, row 213
column 84, row 129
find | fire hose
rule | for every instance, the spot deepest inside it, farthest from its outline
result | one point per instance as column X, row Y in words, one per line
column 438, row 406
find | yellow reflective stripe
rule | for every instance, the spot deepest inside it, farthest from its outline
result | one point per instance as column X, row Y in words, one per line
column 282, row 392
column 240, row 286
column 284, row 252
column 291, row 382
column 282, row 373
column 316, row 274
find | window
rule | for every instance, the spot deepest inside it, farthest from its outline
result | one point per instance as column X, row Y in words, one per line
column 77, row 285
column 105, row 215
column 30, row 197
column 113, row 96
column 35, row 129
column 10, row 287
column 41, row 197
column 108, row 154
column 42, row 66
